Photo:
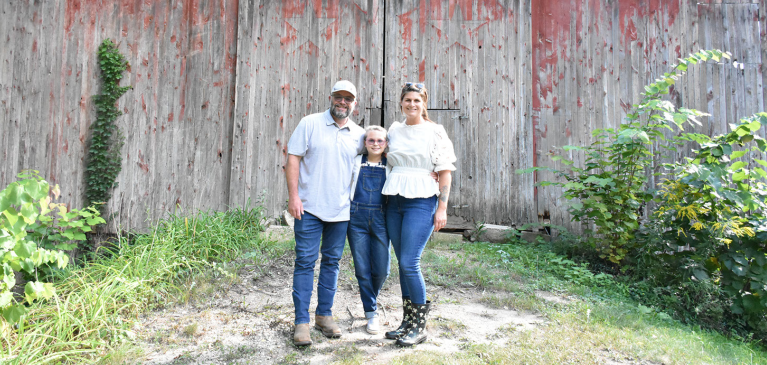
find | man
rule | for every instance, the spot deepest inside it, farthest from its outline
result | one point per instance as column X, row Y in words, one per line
column 321, row 155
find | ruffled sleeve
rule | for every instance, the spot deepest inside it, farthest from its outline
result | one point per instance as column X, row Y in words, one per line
column 442, row 153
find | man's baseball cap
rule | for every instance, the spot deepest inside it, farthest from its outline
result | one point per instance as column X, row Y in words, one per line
column 344, row 85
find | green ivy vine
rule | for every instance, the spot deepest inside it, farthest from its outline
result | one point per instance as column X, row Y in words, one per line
column 103, row 160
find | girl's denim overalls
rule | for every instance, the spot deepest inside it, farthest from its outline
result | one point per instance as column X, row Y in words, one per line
column 368, row 240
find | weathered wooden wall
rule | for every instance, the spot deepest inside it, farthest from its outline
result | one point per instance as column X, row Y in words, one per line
column 178, row 116
column 219, row 85
column 594, row 58
column 474, row 58
column 290, row 55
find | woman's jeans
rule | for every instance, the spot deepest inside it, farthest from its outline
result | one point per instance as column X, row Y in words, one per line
column 410, row 223
column 369, row 244
column 309, row 230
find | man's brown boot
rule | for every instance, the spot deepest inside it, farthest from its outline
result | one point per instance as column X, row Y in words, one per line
column 328, row 327
column 301, row 336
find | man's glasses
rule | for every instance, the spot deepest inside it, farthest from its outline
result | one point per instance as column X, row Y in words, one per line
column 415, row 85
column 349, row 99
column 374, row 141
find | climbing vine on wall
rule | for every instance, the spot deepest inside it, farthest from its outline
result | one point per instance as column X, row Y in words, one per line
column 103, row 160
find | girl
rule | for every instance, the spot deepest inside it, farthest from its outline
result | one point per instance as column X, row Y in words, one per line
column 368, row 240
column 417, row 147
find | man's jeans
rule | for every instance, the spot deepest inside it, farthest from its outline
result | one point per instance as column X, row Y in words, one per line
column 370, row 249
column 410, row 223
column 308, row 232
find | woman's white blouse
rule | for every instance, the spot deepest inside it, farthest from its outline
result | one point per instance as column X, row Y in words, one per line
column 414, row 152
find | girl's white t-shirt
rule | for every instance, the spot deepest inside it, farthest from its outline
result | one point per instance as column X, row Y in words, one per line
column 414, row 152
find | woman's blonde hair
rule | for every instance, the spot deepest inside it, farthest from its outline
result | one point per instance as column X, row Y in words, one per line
column 422, row 92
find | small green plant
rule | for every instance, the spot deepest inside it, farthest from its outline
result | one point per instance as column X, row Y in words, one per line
column 609, row 190
column 29, row 234
column 190, row 330
column 479, row 230
column 103, row 160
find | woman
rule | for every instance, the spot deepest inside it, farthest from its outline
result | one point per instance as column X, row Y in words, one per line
column 417, row 204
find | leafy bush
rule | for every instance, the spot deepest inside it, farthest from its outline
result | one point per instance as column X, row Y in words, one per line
column 31, row 238
column 702, row 254
column 609, row 191
column 711, row 222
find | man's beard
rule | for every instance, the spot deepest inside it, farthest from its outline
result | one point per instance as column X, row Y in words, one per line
column 339, row 114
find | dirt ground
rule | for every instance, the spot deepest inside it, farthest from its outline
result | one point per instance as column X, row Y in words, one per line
column 251, row 322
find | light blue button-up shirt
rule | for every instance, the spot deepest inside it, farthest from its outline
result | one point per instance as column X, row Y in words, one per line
column 325, row 170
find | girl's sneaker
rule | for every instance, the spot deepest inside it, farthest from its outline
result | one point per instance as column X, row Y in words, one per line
column 372, row 327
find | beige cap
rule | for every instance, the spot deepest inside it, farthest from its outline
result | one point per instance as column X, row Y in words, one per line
column 344, row 85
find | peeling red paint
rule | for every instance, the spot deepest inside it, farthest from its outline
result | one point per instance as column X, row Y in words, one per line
column 422, row 70
column 229, row 17
column 406, row 24
column 291, row 34
column 141, row 163
column 285, row 90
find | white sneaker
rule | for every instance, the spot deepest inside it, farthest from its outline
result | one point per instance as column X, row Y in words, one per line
column 373, row 327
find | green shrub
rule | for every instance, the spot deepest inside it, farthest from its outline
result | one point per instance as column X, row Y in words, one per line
column 32, row 238
column 609, row 190
column 711, row 222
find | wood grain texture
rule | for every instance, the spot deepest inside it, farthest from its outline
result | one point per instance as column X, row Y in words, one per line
column 219, row 86
column 290, row 55
column 473, row 58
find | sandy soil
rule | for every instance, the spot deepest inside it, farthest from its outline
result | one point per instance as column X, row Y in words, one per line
column 251, row 322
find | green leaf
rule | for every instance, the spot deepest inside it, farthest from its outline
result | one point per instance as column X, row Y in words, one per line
column 754, row 126
column 700, row 274
column 738, row 154
column 738, row 165
column 739, row 270
column 37, row 290
column 5, row 299
column 13, row 193
column 24, row 249
column 751, row 304
column 13, row 313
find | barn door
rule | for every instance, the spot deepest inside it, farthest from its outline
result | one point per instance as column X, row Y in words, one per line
column 472, row 57
column 290, row 53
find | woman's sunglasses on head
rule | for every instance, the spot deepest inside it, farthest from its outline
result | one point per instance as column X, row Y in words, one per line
column 415, row 85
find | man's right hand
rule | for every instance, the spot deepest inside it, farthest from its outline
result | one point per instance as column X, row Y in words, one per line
column 296, row 208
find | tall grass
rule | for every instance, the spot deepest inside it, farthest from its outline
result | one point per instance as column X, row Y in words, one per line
column 98, row 302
